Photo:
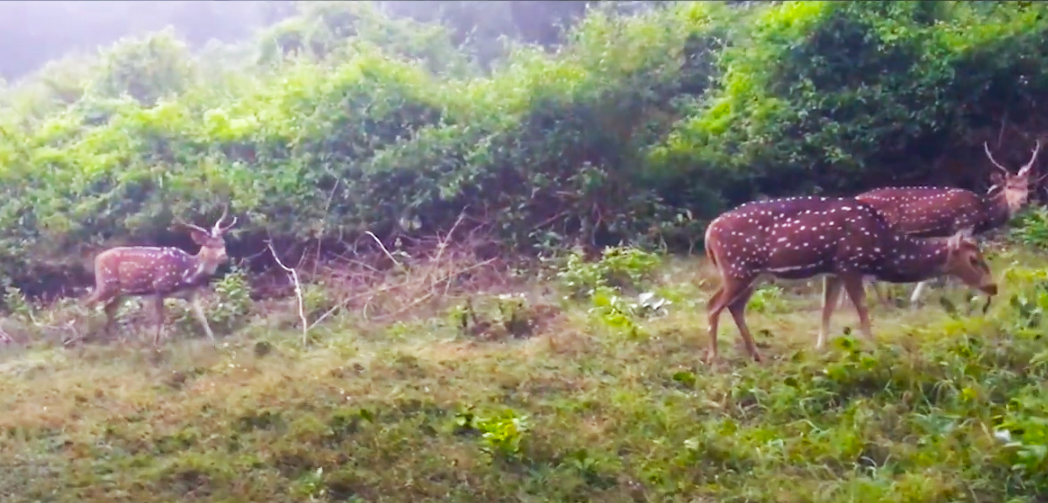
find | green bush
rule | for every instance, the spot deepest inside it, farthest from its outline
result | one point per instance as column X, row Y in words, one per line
column 639, row 127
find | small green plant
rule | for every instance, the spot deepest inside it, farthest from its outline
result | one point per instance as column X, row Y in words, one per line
column 615, row 311
column 1030, row 304
column 317, row 299
column 503, row 433
column 234, row 299
column 228, row 309
column 1031, row 228
column 17, row 305
column 619, row 268
column 767, row 299
column 513, row 314
column 1024, row 429
column 1030, row 307
column 513, row 317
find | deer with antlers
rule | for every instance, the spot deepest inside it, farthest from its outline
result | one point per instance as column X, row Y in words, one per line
column 944, row 211
column 159, row 273
column 842, row 239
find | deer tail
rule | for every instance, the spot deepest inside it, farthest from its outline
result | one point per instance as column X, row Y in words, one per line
column 708, row 245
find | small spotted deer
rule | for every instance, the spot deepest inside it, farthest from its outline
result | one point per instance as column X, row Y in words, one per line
column 139, row 271
column 944, row 211
column 842, row 239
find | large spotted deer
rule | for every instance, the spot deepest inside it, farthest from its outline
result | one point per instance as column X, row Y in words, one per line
column 944, row 211
column 159, row 273
column 842, row 239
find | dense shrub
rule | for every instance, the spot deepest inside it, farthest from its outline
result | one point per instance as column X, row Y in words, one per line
column 640, row 126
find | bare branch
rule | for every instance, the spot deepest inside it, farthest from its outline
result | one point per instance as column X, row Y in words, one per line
column 298, row 293
column 384, row 250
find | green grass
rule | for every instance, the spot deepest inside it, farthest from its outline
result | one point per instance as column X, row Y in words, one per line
column 597, row 404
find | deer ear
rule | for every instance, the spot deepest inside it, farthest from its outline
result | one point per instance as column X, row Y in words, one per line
column 996, row 178
column 954, row 243
column 199, row 238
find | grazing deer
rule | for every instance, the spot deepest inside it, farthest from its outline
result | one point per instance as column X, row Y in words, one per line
column 841, row 239
column 944, row 211
column 137, row 271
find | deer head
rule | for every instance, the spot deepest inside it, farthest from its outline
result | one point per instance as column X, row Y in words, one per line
column 212, row 243
column 840, row 238
column 160, row 272
column 965, row 261
column 1014, row 189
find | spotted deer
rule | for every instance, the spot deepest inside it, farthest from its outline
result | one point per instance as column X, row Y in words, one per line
column 944, row 211
column 841, row 239
column 159, row 273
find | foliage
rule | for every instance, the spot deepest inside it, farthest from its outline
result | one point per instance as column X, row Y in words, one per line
column 639, row 127
column 1031, row 229
column 618, row 267
column 834, row 96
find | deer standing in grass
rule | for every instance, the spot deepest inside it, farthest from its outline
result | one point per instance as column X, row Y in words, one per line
column 147, row 271
column 842, row 239
column 944, row 211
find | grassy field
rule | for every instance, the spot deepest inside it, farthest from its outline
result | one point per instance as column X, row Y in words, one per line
column 597, row 397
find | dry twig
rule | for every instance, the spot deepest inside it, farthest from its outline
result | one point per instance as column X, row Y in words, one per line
column 298, row 293
column 377, row 240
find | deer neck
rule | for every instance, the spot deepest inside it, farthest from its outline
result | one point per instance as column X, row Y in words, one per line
column 199, row 268
column 998, row 209
column 911, row 260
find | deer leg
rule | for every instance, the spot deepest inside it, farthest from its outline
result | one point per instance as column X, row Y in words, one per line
column 158, row 308
column 853, row 285
column 876, row 287
column 110, row 309
column 198, row 310
column 737, row 308
column 917, row 292
column 715, row 307
column 873, row 284
column 831, row 289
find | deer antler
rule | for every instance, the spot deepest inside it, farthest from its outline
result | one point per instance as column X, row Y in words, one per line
column 1026, row 168
column 1038, row 180
column 179, row 222
column 986, row 147
column 218, row 229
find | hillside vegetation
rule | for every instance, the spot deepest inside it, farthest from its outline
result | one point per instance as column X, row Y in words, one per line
column 640, row 127
column 463, row 331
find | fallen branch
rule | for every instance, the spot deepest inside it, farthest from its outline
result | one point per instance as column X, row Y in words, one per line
column 298, row 293
column 384, row 250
